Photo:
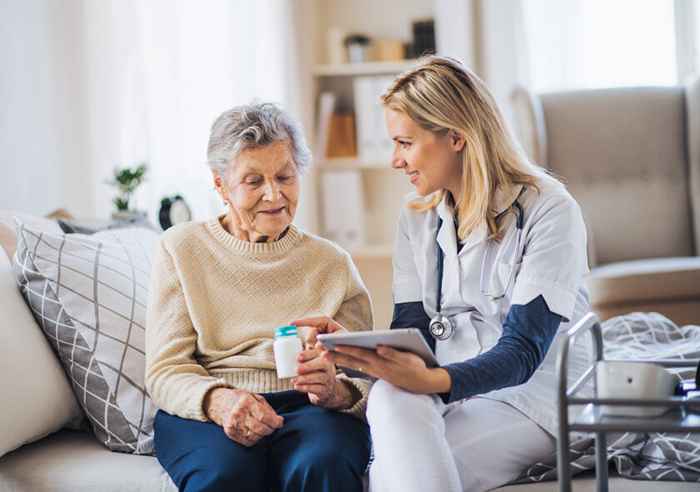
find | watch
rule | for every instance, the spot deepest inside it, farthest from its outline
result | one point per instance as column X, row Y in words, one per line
column 173, row 210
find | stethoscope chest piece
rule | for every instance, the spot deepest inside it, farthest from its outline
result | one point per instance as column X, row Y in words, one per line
column 440, row 327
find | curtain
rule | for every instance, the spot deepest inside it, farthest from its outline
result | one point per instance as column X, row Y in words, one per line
column 158, row 72
column 576, row 44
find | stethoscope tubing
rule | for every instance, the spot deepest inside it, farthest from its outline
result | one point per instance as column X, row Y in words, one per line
column 437, row 325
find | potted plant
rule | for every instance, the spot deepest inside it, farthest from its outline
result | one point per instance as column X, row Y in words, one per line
column 127, row 180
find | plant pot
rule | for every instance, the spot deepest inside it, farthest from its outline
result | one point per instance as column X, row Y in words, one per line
column 129, row 216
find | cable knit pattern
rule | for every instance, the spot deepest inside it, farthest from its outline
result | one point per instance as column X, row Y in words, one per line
column 215, row 302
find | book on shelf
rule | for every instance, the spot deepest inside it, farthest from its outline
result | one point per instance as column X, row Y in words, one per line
column 326, row 106
column 343, row 205
column 336, row 131
column 373, row 141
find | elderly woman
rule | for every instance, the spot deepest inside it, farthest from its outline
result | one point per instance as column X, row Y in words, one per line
column 219, row 290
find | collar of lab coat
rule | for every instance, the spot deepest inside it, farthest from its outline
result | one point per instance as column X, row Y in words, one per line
column 504, row 199
column 447, row 235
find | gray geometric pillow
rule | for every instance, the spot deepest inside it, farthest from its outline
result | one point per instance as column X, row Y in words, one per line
column 89, row 295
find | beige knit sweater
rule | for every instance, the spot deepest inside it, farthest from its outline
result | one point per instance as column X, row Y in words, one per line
column 215, row 302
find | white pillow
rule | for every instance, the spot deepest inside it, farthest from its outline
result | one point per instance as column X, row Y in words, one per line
column 35, row 396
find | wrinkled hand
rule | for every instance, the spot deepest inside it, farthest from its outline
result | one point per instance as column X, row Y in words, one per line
column 402, row 369
column 317, row 377
column 244, row 416
column 240, row 224
column 310, row 328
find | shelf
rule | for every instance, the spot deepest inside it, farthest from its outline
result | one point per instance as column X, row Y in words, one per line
column 674, row 420
column 367, row 68
column 378, row 251
column 345, row 163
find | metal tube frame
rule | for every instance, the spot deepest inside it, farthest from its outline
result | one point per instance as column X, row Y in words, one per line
column 566, row 397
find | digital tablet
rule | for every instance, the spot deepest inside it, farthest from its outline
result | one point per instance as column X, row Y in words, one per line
column 408, row 339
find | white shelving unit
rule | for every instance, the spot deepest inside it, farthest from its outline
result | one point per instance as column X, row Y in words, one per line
column 383, row 188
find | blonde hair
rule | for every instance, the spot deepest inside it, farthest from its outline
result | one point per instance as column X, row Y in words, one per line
column 441, row 95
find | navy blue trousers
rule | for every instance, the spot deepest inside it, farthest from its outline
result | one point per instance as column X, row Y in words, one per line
column 315, row 450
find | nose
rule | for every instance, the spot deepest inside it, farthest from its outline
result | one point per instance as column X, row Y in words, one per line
column 397, row 162
column 271, row 192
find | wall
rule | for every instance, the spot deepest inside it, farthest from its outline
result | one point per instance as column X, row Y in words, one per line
column 41, row 114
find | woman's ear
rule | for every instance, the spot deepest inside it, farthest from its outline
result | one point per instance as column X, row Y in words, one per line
column 457, row 141
column 219, row 184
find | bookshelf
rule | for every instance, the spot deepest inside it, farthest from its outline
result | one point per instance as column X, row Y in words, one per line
column 362, row 189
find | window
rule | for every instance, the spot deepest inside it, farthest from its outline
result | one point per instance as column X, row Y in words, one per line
column 576, row 44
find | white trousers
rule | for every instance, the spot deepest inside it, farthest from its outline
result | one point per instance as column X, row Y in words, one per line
column 420, row 444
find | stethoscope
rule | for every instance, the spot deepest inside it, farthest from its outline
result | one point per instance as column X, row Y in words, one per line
column 441, row 327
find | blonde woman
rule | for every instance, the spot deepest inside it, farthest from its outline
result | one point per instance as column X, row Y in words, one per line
column 489, row 261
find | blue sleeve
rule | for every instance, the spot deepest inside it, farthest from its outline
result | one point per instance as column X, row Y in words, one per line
column 528, row 332
column 413, row 315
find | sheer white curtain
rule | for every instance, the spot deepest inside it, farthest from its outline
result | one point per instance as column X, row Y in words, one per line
column 598, row 43
column 158, row 73
column 577, row 44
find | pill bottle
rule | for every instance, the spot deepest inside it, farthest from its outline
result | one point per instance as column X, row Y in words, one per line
column 287, row 347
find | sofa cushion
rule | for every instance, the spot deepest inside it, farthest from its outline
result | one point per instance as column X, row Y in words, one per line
column 75, row 462
column 36, row 396
column 72, row 461
column 89, row 294
column 639, row 281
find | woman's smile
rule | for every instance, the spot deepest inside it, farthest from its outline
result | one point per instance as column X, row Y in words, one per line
column 273, row 211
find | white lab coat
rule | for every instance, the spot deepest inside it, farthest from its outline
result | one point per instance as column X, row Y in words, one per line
column 551, row 262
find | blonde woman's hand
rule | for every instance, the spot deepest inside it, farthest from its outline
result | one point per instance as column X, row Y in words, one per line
column 317, row 378
column 245, row 417
column 402, row 369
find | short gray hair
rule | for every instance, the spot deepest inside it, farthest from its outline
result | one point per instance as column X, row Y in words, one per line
column 251, row 126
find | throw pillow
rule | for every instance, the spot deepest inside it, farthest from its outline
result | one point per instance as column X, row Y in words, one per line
column 89, row 294
column 8, row 220
column 36, row 395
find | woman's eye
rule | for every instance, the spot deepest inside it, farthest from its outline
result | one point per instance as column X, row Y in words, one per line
column 253, row 181
column 405, row 145
column 286, row 178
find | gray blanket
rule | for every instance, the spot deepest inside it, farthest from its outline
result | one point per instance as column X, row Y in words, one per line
column 645, row 456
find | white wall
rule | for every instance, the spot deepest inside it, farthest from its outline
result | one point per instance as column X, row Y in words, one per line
column 41, row 113
column 455, row 22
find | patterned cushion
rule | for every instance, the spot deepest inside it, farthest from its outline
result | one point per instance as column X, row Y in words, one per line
column 89, row 295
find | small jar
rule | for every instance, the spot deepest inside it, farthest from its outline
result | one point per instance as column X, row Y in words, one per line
column 287, row 347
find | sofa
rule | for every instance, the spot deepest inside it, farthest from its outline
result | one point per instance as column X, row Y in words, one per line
column 631, row 158
column 46, row 444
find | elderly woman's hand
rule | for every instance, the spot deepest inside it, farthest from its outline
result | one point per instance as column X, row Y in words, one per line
column 310, row 328
column 245, row 417
column 239, row 223
column 317, row 377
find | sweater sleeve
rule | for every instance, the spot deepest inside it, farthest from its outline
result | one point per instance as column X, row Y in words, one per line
column 413, row 315
column 175, row 380
column 355, row 314
column 528, row 332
